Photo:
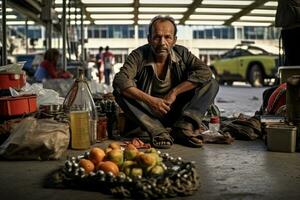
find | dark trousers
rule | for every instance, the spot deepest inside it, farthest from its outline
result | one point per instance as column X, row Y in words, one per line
column 290, row 42
column 107, row 76
column 192, row 105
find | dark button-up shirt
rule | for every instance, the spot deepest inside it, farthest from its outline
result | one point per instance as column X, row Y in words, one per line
column 137, row 70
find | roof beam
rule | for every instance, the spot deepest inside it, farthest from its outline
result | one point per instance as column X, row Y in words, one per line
column 245, row 11
column 191, row 10
column 85, row 12
column 136, row 5
column 25, row 11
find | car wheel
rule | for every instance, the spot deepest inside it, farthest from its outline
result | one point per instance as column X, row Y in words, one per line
column 256, row 77
column 230, row 83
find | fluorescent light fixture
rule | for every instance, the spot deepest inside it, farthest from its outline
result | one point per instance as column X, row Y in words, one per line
column 147, row 22
column 9, row 9
column 111, row 22
column 217, row 10
column 250, row 24
column 272, row 3
column 72, row 16
column 19, row 23
column 200, row 22
column 150, row 16
column 112, row 16
column 213, row 17
column 223, row 2
column 107, row 1
column 185, row 2
column 160, row 9
column 263, row 11
column 79, row 22
column 109, row 9
column 71, row 9
column 257, row 18
column 9, row 17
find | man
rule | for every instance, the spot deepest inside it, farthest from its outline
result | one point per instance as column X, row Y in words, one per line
column 288, row 17
column 164, row 85
column 99, row 64
column 108, row 59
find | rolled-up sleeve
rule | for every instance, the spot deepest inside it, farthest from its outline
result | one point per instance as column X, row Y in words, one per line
column 125, row 78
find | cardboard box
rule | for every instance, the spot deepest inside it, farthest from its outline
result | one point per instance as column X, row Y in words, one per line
column 281, row 138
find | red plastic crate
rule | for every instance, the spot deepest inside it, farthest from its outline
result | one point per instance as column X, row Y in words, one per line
column 21, row 105
column 16, row 81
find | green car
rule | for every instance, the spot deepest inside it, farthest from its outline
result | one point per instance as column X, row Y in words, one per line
column 245, row 63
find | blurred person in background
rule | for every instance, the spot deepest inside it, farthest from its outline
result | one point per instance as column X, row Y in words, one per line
column 288, row 18
column 99, row 64
column 108, row 61
column 48, row 67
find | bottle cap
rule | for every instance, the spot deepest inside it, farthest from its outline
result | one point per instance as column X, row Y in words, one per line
column 214, row 120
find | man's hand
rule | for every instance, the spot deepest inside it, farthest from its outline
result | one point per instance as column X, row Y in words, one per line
column 170, row 97
column 159, row 106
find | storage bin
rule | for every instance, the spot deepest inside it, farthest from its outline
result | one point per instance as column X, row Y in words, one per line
column 14, row 106
column 281, row 138
column 286, row 71
column 16, row 81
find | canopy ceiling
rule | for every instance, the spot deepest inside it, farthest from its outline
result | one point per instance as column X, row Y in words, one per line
column 185, row 12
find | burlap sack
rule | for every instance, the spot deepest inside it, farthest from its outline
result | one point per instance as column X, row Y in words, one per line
column 36, row 139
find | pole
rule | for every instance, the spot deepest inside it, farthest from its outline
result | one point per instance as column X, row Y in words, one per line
column 64, row 35
column 4, row 48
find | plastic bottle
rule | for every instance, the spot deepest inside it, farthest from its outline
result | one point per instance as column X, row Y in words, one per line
column 80, row 105
column 214, row 124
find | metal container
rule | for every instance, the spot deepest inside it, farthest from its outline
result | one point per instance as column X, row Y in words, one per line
column 286, row 71
column 281, row 138
column 51, row 108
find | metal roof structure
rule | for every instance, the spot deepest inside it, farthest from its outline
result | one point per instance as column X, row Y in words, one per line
column 136, row 12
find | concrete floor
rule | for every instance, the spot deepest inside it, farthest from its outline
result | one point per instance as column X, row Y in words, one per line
column 242, row 170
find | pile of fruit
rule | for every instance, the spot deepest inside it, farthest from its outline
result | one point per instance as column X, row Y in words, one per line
column 130, row 161
column 131, row 173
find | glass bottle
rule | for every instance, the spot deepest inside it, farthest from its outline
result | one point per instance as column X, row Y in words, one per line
column 80, row 105
column 214, row 124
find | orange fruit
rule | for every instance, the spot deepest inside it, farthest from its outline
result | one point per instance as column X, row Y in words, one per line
column 87, row 165
column 108, row 166
column 96, row 155
column 115, row 145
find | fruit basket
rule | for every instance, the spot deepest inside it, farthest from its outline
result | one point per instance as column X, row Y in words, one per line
column 169, row 177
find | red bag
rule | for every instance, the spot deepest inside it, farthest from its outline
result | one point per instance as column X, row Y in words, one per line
column 277, row 99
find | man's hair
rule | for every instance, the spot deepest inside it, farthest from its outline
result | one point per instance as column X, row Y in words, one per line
column 162, row 19
column 51, row 54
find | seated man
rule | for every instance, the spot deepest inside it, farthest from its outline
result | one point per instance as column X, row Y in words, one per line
column 164, row 85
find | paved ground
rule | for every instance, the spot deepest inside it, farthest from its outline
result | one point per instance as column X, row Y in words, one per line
column 242, row 170
column 241, row 98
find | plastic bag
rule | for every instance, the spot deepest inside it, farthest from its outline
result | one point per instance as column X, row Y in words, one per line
column 36, row 139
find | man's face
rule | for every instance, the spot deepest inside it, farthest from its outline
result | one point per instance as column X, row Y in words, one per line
column 162, row 38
